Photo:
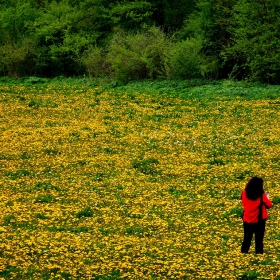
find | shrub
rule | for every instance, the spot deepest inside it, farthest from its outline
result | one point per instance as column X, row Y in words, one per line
column 184, row 60
column 94, row 60
column 18, row 59
column 138, row 56
column 149, row 54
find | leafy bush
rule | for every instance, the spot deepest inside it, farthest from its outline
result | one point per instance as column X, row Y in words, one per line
column 152, row 54
column 184, row 59
column 138, row 56
column 18, row 59
column 94, row 59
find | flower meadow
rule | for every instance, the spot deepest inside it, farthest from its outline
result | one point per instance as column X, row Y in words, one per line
column 100, row 183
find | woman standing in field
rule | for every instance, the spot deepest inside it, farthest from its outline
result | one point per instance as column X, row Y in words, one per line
column 255, row 202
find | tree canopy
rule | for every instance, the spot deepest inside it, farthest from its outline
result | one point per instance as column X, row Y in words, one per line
column 160, row 38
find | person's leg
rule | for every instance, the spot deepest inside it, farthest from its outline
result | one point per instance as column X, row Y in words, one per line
column 248, row 234
column 259, row 235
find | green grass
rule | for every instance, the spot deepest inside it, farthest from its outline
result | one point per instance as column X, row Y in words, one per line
column 198, row 89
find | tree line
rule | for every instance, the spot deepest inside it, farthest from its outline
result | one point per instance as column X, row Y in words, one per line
column 132, row 40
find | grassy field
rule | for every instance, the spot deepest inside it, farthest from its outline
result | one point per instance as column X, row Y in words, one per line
column 135, row 182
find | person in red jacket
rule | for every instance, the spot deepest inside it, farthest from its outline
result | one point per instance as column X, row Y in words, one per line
column 255, row 202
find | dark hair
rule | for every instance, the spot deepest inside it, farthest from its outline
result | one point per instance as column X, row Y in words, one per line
column 254, row 188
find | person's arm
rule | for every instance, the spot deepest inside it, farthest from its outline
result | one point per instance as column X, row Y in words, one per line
column 266, row 201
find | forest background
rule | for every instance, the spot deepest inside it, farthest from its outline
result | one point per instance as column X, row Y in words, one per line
column 135, row 40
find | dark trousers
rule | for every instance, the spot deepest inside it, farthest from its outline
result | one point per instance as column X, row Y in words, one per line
column 253, row 228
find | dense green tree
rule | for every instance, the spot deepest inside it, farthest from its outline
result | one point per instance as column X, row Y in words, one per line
column 131, row 15
column 211, row 22
column 66, row 28
column 256, row 39
column 94, row 19
column 58, row 41
column 16, row 19
column 129, row 39
column 17, row 38
column 170, row 15
column 49, row 37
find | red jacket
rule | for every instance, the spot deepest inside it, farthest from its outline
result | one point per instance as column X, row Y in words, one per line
column 251, row 208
